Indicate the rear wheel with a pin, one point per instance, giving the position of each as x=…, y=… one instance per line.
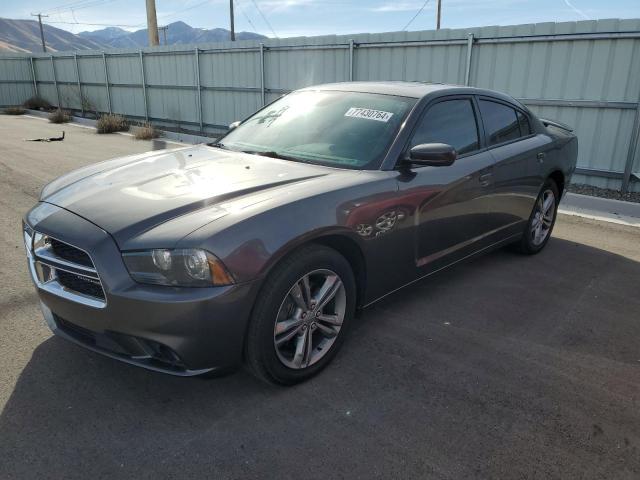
x=542, y=219
x=301, y=316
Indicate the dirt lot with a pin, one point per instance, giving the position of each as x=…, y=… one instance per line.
x=505, y=367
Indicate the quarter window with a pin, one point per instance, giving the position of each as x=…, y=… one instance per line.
x=500, y=122
x=523, y=121
x=452, y=122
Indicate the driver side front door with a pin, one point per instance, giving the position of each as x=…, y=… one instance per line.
x=449, y=204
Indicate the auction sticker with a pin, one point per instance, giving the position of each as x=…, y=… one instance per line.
x=377, y=115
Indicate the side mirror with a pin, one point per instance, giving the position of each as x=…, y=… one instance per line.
x=234, y=125
x=433, y=154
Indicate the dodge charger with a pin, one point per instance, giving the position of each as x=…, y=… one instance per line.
x=259, y=249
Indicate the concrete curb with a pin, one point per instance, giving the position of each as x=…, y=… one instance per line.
x=603, y=209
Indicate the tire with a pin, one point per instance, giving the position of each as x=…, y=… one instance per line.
x=534, y=240
x=288, y=316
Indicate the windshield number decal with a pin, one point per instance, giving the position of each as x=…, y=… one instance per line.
x=367, y=113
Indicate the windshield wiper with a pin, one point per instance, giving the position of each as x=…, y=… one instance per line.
x=272, y=154
x=219, y=145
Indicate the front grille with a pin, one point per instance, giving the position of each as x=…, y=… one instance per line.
x=70, y=253
x=63, y=269
x=81, y=284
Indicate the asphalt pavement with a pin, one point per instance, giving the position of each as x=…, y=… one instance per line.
x=503, y=367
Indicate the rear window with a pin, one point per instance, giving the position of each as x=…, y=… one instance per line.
x=500, y=122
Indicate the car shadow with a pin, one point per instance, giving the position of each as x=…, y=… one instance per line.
x=502, y=366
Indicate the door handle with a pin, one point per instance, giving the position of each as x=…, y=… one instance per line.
x=541, y=156
x=485, y=179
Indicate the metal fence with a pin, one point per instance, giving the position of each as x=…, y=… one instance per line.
x=585, y=74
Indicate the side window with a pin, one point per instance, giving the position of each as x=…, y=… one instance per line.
x=523, y=121
x=500, y=122
x=452, y=122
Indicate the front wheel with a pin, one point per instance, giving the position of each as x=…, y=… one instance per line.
x=300, y=318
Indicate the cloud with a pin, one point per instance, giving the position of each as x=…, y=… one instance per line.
x=447, y=6
x=278, y=5
x=397, y=7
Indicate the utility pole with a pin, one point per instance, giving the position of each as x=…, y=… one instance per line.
x=164, y=32
x=39, y=15
x=439, y=11
x=152, y=23
x=233, y=30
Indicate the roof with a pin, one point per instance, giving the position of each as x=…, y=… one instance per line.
x=408, y=89
x=403, y=89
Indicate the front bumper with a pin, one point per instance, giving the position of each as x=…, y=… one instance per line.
x=182, y=331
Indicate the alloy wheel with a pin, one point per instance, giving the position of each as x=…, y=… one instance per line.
x=309, y=319
x=543, y=217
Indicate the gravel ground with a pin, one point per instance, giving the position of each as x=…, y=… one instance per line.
x=503, y=367
x=603, y=192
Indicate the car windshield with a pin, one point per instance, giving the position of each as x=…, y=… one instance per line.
x=333, y=128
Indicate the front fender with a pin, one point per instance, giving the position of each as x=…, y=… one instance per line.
x=251, y=247
x=252, y=239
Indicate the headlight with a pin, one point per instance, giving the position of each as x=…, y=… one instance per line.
x=188, y=267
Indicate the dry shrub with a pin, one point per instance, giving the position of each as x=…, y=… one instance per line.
x=59, y=116
x=37, y=103
x=146, y=132
x=112, y=123
x=14, y=111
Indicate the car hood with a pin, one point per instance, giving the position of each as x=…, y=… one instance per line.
x=132, y=195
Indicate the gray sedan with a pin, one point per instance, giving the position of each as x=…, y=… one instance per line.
x=261, y=248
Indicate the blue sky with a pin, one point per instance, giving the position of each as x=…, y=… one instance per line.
x=318, y=17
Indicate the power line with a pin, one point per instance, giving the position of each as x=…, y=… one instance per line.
x=264, y=18
x=67, y=6
x=177, y=12
x=70, y=5
x=94, y=24
x=416, y=15
x=77, y=6
x=255, y=30
x=88, y=3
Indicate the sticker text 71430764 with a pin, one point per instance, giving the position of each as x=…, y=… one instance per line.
x=369, y=114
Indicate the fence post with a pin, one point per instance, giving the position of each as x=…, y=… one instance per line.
x=75, y=59
x=351, y=60
x=631, y=153
x=144, y=88
x=106, y=79
x=467, y=72
x=199, y=89
x=262, y=73
x=33, y=74
x=55, y=81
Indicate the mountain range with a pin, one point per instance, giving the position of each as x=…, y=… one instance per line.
x=177, y=33
x=24, y=36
